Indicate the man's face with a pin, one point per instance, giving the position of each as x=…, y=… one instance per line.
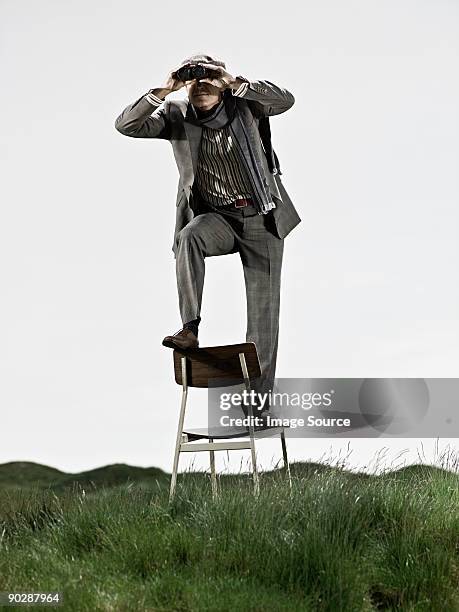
x=203, y=95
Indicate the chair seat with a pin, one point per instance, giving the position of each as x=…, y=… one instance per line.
x=226, y=433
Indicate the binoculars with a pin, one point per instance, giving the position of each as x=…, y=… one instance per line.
x=189, y=72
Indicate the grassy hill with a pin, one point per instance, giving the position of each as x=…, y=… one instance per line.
x=336, y=542
x=25, y=474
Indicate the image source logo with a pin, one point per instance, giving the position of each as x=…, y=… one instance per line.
x=347, y=407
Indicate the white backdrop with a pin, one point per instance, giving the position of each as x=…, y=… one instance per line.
x=370, y=156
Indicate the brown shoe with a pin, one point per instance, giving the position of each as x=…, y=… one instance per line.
x=183, y=339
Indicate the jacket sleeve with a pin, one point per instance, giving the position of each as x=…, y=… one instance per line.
x=267, y=98
x=145, y=119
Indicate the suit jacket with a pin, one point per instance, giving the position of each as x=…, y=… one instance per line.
x=167, y=121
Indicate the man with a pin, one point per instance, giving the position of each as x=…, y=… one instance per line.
x=230, y=197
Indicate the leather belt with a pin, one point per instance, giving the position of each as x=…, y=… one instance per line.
x=242, y=202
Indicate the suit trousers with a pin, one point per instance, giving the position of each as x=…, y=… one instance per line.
x=223, y=230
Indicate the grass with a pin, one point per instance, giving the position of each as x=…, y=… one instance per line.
x=338, y=541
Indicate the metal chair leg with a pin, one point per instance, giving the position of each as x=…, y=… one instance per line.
x=256, y=481
x=213, y=475
x=245, y=373
x=284, y=454
x=179, y=431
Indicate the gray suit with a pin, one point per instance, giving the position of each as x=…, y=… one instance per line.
x=200, y=232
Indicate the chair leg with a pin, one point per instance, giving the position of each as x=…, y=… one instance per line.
x=174, y=473
x=178, y=441
x=284, y=453
x=213, y=475
x=176, y=462
x=256, y=481
x=245, y=372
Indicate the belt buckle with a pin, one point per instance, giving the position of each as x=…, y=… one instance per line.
x=243, y=201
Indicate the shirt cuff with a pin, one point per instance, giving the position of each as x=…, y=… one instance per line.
x=150, y=97
x=240, y=91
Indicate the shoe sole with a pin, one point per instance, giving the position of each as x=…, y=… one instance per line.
x=172, y=345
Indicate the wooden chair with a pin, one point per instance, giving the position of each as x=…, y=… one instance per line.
x=216, y=366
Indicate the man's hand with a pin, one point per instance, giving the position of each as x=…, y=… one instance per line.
x=170, y=84
x=221, y=78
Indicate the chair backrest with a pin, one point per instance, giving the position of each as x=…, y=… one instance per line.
x=212, y=363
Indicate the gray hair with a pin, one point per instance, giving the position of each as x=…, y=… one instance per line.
x=202, y=59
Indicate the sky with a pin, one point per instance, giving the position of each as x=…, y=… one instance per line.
x=369, y=154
